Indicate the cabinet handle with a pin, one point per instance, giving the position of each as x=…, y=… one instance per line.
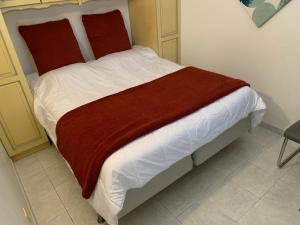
x=25, y=213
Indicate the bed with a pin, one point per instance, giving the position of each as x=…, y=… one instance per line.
x=169, y=152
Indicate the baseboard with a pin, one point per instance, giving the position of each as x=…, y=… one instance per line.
x=30, y=151
x=272, y=128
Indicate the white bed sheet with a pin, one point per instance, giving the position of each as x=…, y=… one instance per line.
x=132, y=166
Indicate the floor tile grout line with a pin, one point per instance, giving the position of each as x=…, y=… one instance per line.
x=254, y=203
x=226, y=177
x=265, y=193
x=40, y=161
x=67, y=211
x=26, y=195
x=174, y=217
x=54, y=187
x=219, y=212
x=230, y=174
x=276, y=180
x=248, y=210
x=42, y=170
x=56, y=195
x=208, y=188
x=269, y=174
x=260, y=199
x=33, y=174
x=184, y=210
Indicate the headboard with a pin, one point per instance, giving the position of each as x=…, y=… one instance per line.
x=72, y=12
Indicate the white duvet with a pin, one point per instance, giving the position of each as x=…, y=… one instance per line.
x=132, y=166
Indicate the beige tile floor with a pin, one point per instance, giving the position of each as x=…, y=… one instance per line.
x=239, y=186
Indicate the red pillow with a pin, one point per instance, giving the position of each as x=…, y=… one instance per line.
x=52, y=44
x=106, y=32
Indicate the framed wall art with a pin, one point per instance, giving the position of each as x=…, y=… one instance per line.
x=263, y=10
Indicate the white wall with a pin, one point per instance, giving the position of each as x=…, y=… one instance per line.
x=12, y=200
x=220, y=36
x=71, y=11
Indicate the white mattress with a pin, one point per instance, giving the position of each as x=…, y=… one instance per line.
x=132, y=166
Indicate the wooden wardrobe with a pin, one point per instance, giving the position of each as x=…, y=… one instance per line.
x=20, y=133
x=156, y=24
x=8, y=5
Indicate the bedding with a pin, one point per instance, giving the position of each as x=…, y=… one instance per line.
x=52, y=44
x=88, y=135
x=32, y=78
x=106, y=33
x=65, y=89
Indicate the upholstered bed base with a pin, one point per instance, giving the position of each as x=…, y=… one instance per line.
x=220, y=142
x=136, y=197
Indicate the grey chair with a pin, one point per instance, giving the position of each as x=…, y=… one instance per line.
x=293, y=134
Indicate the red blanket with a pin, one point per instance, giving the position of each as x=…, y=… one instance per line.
x=88, y=135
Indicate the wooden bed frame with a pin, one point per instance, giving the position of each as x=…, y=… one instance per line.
x=136, y=197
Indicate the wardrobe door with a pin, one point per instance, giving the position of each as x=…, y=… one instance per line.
x=16, y=119
x=168, y=17
x=144, y=23
x=170, y=50
x=7, y=68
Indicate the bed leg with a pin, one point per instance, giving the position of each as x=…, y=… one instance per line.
x=100, y=219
